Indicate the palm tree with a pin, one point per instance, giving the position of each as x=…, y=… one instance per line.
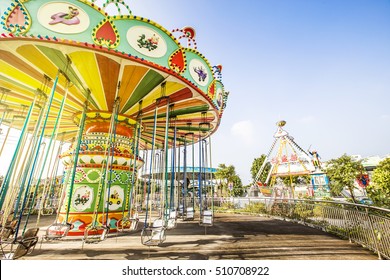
x=225, y=175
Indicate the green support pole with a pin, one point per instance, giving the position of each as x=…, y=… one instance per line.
x=36, y=156
x=5, y=185
x=54, y=132
x=166, y=162
x=76, y=158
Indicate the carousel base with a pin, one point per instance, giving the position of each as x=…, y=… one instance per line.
x=81, y=221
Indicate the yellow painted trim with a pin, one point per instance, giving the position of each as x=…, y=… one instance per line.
x=86, y=64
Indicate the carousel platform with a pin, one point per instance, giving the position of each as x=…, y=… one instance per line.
x=232, y=237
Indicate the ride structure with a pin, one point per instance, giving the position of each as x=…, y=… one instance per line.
x=110, y=86
x=285, y=161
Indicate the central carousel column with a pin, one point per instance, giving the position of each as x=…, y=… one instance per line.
x=103, y=173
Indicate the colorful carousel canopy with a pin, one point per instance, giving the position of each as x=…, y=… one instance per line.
x=100, y=58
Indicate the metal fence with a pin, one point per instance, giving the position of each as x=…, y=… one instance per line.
x=365, y=225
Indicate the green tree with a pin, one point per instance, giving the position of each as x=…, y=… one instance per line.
x=296, y=180
x=226, y=175
x=256, y=165
x=238, y=189
x=379, y=188
x=342, y=172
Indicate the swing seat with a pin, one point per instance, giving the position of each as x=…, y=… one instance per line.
x=181, y=210
x=206, y=218
x=134, y=224
x=130, y=224
x=6, y=233
x=95, y=234
x=153, y=236
x=57, y=231
x=158, y=223
x=47, y=211
x=8, y=230
x=171, y=223
x=173, y=214
x=189, y=214
x=25, y=245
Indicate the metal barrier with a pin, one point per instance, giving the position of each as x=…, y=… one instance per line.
x=362, y=224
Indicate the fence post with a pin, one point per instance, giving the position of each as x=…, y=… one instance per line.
x=346, y=224
x=373, y=234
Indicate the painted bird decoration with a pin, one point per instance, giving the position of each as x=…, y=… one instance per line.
x=69, y=18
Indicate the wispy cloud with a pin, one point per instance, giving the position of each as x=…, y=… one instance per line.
x=244, y=131
x=307, y=119
x=385, y=117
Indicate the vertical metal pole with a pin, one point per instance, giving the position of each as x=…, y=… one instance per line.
x=36, y=154
x=76, y=159
x=112, y=139
x=165, y=173
x=193, y=172
x=3, y=116
x=173, y=165
x=5, y=139
x=185, y=185
x=54, y=132
x=7, y=177
x=136, y=151
x=211, y=178
x=151, y=164
x=200, y=176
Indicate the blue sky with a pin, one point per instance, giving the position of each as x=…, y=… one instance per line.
x=323, y=66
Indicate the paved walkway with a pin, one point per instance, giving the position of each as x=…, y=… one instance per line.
x=232, y=237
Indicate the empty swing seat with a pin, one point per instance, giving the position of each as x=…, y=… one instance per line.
x=8, y=230
x=134, y=223
x=25, y=245
x=171, y=223
x=57, y=231
x=189, y=214
x=154, y=235
x=206, y=218
x=95, y=234
x=130, y=224
x=181, y=210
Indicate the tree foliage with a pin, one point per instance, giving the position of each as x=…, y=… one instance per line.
x=296, y=180
x=225, y=172
x=256, y=165
x=342, y=172
x=226, y=175
x=379, y=188
x=238, y=189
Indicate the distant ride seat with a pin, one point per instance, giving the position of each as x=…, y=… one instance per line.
x=95, y=234
x=57, y=231
x=206, y=218
x=128, y=224
x=189, y=214
x=171, y=223
x=154, y=235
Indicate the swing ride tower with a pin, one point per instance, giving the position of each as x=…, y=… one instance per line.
x=286, y=160
x=108, y=83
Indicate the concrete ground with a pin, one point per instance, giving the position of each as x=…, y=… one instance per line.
x=232, y=237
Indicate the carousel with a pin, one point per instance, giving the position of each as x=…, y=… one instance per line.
x=120, y=92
